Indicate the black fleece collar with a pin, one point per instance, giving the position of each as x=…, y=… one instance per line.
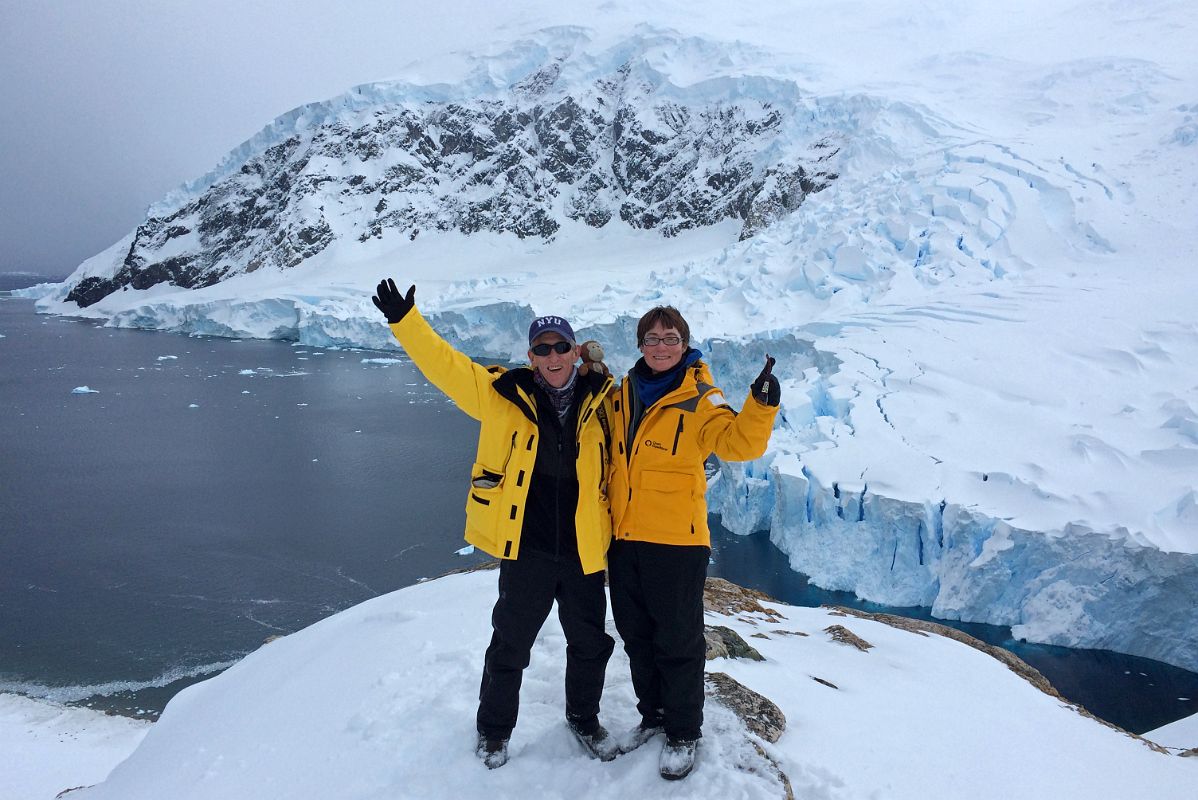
x=522, y=377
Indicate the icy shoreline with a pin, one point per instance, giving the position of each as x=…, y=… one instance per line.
x=1069, y=588
x=1073, y=586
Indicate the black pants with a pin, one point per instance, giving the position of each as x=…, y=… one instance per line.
x=657, y=603
x=527, y=588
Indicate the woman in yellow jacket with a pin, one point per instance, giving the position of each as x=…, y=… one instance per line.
x=667, y=419
x=537, y=501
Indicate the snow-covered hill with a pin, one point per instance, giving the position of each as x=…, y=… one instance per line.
x=379, y=701
x=983, y=317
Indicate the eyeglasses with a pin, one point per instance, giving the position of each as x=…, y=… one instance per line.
x=544, y=349
x=653, y=341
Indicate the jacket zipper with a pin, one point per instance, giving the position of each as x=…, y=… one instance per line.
x=510, y=450
x=678, y=433
x=557, y=501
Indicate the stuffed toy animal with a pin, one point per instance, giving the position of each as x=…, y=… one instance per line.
x=592, y=358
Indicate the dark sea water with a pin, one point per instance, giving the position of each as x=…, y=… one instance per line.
x=211, y=493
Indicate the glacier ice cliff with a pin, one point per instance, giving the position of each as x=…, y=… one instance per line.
x=1074, y=587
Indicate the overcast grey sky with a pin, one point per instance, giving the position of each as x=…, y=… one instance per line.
x=105, y=105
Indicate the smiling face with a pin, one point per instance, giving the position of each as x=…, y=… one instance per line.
x=556, y=368
x=661, y=357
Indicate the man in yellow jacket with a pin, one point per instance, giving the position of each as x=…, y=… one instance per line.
x=537, y=501
x=668, y=418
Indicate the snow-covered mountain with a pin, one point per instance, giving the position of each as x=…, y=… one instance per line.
x=544, y=134
x=971, y=246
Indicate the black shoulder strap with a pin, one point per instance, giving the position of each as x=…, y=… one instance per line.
x=601, y=413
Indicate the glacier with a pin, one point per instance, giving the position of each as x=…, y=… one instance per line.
x=982, y=322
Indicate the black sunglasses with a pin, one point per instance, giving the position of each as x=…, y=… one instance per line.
x=543, y=349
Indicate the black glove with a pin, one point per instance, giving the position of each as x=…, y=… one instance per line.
x=391, y=303
x=766, y=389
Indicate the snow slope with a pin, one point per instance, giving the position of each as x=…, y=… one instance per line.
x=379, y=701
x=1179, y=735
x=984, y=325
x=48, y=748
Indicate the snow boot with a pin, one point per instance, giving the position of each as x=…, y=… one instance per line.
x=639, y=735
x=596, y=741
x=493, y=752
x=677, y=758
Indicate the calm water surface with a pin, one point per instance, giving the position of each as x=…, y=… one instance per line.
x=211, y=493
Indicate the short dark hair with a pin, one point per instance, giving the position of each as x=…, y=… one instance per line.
x=667, y=317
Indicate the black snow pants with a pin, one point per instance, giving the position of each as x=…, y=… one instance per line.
x=657, y=603
x=528, y=586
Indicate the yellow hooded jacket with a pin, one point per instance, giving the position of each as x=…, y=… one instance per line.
x=658, y=488
x=507, y=447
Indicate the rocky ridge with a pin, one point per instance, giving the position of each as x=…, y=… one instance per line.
x=616, y=142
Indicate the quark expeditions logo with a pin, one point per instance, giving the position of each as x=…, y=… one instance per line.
x=654, y=445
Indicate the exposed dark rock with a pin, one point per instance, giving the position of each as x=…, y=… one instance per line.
x=522, y=164
x=841, y=634
x=724, y=642
x=759, y=713
x=724, y=597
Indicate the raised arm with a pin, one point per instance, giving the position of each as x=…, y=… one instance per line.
x=466, y=383
x=744, y=436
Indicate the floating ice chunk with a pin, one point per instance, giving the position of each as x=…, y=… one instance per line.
x=192, y=405
x=245, y=391
x=84, y=390
x=248, y=372
x=468, y=550
x=168, y=358
x=384, y=361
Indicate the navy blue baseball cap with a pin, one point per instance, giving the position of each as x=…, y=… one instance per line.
x=550, y=325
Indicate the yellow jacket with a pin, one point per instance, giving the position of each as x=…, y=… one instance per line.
x=507, y=447
x=658, y=489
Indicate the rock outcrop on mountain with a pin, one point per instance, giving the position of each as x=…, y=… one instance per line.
x=597, y=140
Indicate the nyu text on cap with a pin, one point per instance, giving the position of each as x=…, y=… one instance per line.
x=550, y=324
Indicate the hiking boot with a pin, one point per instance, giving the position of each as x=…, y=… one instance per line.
x=596, y=741
x=677, y=758
x=639, y=735
x=493, y=752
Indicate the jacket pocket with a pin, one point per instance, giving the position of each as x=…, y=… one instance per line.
x=664, y=501
x=485, y=484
